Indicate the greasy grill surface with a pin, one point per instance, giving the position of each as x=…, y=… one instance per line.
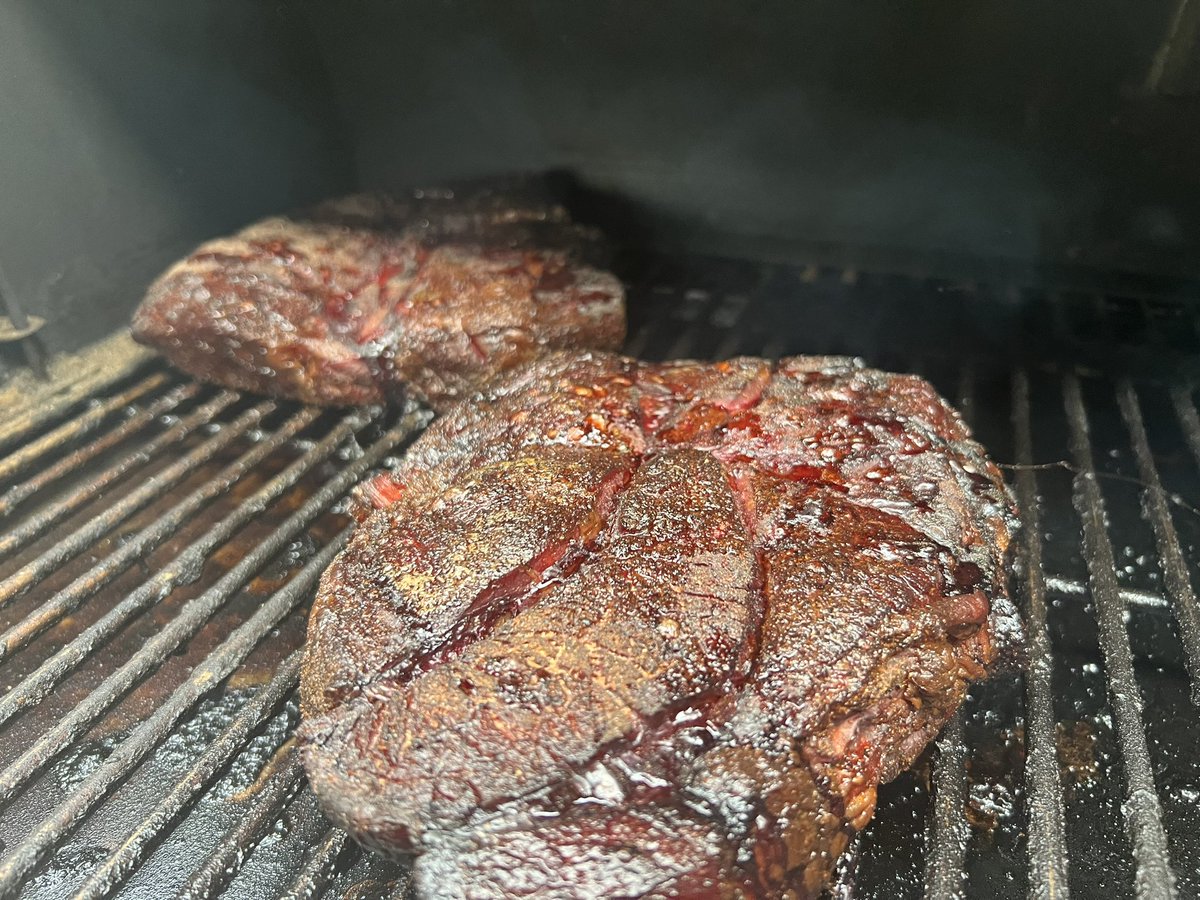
x=159, y=547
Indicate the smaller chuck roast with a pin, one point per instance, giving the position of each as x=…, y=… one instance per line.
x=628, y=629
x=361, y=299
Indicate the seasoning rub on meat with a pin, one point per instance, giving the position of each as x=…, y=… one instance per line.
x=362, y=299
x=631, y=629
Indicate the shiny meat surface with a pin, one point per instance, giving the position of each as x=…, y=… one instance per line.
x=627, y=629
x=363, y=298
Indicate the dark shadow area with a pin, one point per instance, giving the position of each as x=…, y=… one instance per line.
x=939, y=141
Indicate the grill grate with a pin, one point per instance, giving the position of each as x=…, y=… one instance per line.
x=1047, y=842
x=162, y=539
x=1142, y=809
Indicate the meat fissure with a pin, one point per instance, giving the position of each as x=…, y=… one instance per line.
x=519, y=588
x=719, y=659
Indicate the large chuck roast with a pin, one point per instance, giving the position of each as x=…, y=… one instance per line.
x=629, y=629
x=362, y=298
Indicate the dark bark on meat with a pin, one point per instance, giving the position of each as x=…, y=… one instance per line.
x=632, y=629
x=363, y=298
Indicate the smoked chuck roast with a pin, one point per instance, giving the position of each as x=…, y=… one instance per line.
x=360, y=299
x=628, y=629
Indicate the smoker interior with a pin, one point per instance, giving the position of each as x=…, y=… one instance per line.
x=1059, y=134
x=1003, y=198
x=162, y=539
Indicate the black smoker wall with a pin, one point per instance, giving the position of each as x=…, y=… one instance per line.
x=1016, y=131
x=1009, y=129
x=131, y=130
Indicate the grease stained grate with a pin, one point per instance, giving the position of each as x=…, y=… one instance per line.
x=160, y=543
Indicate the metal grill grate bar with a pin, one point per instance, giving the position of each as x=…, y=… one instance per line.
x=1143, y=812
x=19, y=493
x=738, y=330
x=317, y=870
x=226, y=860
x=191, y=617
x=948, y=850
x=64, y=506
x=684, y=346
x=87, y=535
x=726, y=320
x=1137, y=597
x=185, y=566
x=637, y=343
x=19, y=863
x=76, y=378
x=181, y=569
x=77, y=427
x=1048, y=862
x=1185, y=409
x=944, y=865
x=1170, y=553
x=138, y=842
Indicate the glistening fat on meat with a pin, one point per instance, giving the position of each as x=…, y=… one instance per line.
x=634, y=629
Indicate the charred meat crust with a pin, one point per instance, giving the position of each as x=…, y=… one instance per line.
x=633, y=629
x=364, y=298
